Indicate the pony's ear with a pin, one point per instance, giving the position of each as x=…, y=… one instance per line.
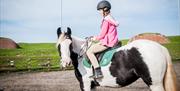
x=59, y=31
x=69, y=30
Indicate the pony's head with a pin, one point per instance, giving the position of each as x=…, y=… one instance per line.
x=64, y=45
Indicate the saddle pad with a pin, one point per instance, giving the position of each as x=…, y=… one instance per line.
x=106, y=59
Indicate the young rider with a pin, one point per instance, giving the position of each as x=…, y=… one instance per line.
x=107, y=38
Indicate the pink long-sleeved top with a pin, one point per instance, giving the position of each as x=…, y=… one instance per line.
x=108, y=35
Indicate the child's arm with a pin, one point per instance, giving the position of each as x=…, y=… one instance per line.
x=104, y=30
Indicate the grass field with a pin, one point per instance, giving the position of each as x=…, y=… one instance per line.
x=33, y=56
x=174, y=47
x=37, y=56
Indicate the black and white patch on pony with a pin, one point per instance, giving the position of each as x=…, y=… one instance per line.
x=127, y=66
x=153, y=56
x=80, y=70
x=74, y=57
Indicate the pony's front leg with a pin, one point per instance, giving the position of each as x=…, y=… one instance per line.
x=87, y=83
x=157, y=87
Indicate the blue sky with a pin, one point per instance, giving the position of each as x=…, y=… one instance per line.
x=37, y=20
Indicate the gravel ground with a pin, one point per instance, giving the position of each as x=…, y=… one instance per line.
x=59, y=81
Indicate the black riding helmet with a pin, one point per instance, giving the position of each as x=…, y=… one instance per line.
x=104, y=4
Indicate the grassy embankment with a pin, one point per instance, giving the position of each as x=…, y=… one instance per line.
x=38, y=56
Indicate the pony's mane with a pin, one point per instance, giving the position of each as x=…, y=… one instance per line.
x=77, y=38
x=77, y=43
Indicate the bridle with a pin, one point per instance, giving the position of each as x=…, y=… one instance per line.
x=84, y=47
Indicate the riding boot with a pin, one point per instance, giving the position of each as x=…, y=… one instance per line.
x=97, y=73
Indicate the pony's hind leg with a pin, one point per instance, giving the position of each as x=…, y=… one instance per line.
x=157, y=87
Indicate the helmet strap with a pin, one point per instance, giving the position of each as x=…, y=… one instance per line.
x=105, y=12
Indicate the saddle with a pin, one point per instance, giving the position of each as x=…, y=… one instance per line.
x=100, y=55
x=103, y=57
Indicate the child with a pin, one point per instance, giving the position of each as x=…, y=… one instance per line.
x=108, y=37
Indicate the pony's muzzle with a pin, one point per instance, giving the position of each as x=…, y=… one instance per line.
x=66, y=62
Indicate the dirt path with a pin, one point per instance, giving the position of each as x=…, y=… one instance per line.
x=58, y=81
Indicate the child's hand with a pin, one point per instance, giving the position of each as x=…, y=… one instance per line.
x=93, y=38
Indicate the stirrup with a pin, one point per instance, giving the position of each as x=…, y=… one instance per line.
x=97, y=73
x=96, y=77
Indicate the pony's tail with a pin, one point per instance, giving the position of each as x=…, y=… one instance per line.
x=170, y=83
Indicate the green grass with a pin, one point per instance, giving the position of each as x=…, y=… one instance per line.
x=174, y=47
x=124, y=42
x=32, y=56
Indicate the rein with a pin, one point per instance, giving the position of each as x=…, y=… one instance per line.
x=85, y=47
